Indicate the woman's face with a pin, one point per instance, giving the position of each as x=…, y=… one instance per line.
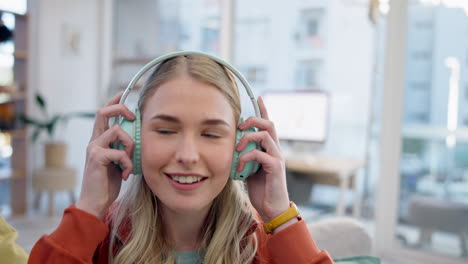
x=188, y=135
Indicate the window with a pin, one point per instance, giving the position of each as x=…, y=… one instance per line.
x=420, y=118
x=466, y=91
x=309, y=21
x=15, y=6
x=256, y=74
x=253, y=34
x=421, y=55
x=307, y=75
x=312, y=27
x=420, y=85
x=210, y=35
x=423, y=25
x=169, y=26
x=309, y=27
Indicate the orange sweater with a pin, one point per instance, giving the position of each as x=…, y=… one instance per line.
x=83, y=238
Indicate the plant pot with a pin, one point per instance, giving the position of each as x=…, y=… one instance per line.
x=55, y=155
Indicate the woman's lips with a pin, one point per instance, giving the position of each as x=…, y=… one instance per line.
x=185, y=181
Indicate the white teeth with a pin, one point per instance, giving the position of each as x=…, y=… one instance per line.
x=188, y=179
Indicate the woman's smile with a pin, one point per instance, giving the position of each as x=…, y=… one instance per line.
x=185, y=181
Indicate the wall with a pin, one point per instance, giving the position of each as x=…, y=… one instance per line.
x=68, y=78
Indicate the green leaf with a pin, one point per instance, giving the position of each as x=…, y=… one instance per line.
x=51, y=125
x=28, y=121
x=86, y=115
x=35, y=135
x=80, y=114
x=40, y=101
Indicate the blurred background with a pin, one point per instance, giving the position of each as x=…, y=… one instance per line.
x=369, y=97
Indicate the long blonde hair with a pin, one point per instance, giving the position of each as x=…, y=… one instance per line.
x=228, y=233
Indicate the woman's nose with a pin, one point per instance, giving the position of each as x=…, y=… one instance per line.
x=187, y=152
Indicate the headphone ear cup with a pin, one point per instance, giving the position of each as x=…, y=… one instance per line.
x=249, y=167
x=133, y=129
x=137, y=146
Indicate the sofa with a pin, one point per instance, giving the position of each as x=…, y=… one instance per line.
x=342, y=237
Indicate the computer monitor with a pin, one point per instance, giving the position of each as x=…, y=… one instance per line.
x=299, y=116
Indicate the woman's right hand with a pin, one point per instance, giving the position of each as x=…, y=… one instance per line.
x=102, y=178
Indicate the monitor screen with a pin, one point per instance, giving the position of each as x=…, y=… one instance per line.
x=301, y=116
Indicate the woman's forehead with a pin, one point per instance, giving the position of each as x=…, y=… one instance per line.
x=187, y=96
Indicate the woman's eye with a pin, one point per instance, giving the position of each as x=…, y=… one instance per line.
x=165, y=131
x=211, y=135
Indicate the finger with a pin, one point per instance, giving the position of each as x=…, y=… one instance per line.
x=115, y=99
x=101, y=123
x=269, y=163
x=106, y=156
x=116, y=133
x=261, y=124
x=263, y=110
x=263, y=138
x=114, y=155
x=115, y=110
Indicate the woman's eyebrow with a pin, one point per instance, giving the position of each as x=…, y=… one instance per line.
x=173, y=119
x=168, y=118
x=215, y=122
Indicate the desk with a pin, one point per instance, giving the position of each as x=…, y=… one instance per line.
x=327, y=170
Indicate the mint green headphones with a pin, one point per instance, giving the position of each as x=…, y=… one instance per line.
x=133, y=127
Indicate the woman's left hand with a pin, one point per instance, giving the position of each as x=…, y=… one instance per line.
x=267, y=187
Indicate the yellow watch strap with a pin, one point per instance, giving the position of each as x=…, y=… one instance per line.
x=285, y=216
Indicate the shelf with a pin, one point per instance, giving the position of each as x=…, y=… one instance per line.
x=16, y=133
x=17, y=96
x=14, y=97
x=20, y=54
x=7, y=97
x=8, y=175
x=14, y=13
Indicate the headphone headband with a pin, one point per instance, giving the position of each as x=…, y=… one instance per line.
x=183, y=53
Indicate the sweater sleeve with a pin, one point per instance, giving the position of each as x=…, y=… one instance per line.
x=294, y=244
x=74, y=241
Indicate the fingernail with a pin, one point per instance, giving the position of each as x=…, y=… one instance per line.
x=239, y=168
x=238, y=148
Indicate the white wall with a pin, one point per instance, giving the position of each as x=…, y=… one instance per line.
x=68, y=81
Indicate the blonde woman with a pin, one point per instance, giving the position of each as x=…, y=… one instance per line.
x=184, y=207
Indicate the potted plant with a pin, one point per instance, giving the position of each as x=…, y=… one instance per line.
x=55, y=151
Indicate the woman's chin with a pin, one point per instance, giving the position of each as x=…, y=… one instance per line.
x=188, y=205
